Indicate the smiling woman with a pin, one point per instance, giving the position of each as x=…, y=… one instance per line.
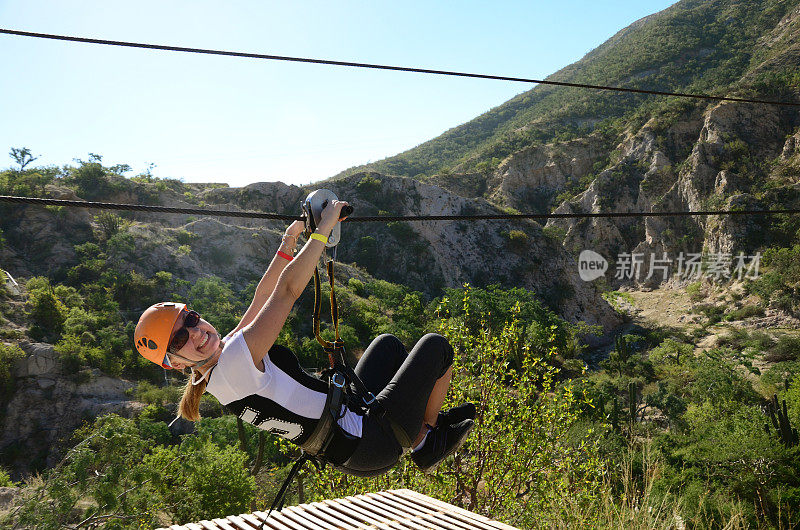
x=263, y=383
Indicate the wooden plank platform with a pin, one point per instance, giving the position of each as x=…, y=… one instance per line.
x=401, y=509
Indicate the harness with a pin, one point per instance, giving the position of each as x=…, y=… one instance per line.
x=345, y=388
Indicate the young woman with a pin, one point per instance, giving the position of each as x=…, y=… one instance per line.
x=264, y=384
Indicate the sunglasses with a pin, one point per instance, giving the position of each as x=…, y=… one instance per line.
x=181, y=336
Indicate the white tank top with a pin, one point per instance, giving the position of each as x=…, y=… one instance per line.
x=283, y=399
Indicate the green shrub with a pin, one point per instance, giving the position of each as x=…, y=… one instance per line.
x=671, y=351
x=9, y=355
x=527, y=436
x=719, y=382
x=122, y=247
x=214, y=299
x=109, y=224
x=786, y=349
x=120, y=477
x=46, y=311
x=369, y=186
x=779, y=283
x=742, y=313
x=184, y=237
x=80, y=321
x=224, y=432
x=157, y=395
x=517, y=239
x=556, y=233
x=5, y=479
x=184, y=472
x=714, y=313
x=724, y=462
x=740, y=339
x=695, y=291
x=357, y=286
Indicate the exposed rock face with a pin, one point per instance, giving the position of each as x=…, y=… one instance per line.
x=654, y=173
x=448, y=254
x=426, y=256
x=50, y=404
x=528, y=178
x=38, y=236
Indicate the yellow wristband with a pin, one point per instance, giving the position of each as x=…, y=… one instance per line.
x=319, y=237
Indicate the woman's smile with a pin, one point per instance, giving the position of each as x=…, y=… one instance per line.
x=204, y=341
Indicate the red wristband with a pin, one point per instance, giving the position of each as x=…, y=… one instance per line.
x=285, y=255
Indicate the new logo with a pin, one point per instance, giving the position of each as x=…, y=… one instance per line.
x=591, y=265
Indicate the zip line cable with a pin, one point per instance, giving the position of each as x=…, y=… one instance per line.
x=184, y=49
x=381, y=218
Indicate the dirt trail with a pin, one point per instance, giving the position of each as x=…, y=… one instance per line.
x=672, y=308
x=660, y=308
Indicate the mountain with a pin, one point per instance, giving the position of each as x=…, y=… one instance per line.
x=569, y=150
x=719, y=47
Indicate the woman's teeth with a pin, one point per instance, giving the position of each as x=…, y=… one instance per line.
x=204, y=342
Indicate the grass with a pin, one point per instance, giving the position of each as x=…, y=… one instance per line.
x=636, y=506
x=615, y=298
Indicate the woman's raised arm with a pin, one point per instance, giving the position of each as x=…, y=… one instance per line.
x=261, y=333
x=267, y=284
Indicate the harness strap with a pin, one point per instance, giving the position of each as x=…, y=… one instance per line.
x=334, y=306
x=373, y=407
x=323, y=433
x=335, y=349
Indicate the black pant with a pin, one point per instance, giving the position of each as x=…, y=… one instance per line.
x=402, y=383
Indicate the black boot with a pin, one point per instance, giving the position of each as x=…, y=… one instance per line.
x=441, y=442
x=456, y=414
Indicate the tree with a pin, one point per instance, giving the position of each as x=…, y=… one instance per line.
x=22, y=156
x=527, y=461
x=118, y=476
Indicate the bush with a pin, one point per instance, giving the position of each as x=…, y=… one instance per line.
x=672, y=351
x=517, y=240
x=119, y=477
x=9, y=355
x=357, y=286
x=47, y=312
x=109, y=224
x=5, y=479
x=695, y=291
x=726, y=463
x=183, y=476
x=155, y=395
x=718, y=382
x=368, y=185
x=223, y=432
x=712, y=312
x=214, y=299
x=527, y=436
x=742, y=313
x=786, y=349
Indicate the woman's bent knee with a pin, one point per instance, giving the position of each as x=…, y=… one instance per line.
x=437, y=344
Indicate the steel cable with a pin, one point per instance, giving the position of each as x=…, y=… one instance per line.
x=379, y=218
x=164, y=47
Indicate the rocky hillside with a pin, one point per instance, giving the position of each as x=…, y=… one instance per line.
x=564, y=150
x=739, y=157
x=424, y=256
x=550, y=149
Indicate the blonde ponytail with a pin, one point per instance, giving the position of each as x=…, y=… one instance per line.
x=189, y=407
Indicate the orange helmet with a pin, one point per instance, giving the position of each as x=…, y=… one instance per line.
x=154, y=330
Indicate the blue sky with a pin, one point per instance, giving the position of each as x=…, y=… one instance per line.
x=216, y=119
